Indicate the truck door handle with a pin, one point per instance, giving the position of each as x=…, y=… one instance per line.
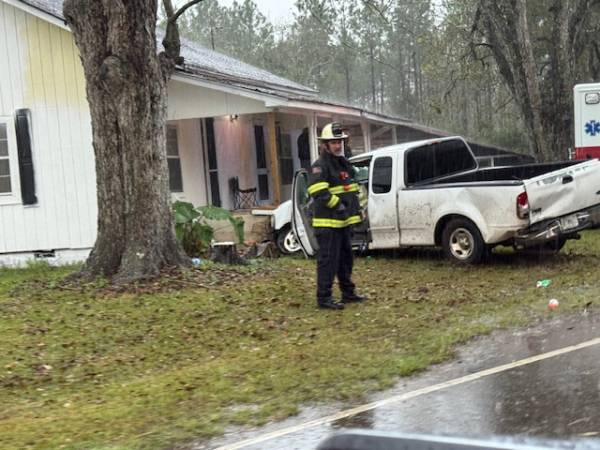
x=567, y=179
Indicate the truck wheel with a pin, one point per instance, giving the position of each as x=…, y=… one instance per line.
x=462, y=242
x=286, y=241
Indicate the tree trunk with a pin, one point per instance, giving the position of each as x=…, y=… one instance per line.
x=372, y=63
x=347, y=79
x=126, y=84
x=531, y=99
x=381, y=86
x=545, y=100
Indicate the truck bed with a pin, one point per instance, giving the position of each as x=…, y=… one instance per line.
x=510, y=173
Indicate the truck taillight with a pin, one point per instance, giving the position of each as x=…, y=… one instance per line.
x=522, y=206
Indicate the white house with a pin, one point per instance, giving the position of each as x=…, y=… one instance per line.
x=226, y=119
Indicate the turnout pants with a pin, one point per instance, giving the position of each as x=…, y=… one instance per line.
x=334, y=258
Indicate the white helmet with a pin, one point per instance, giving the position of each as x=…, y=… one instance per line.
x=333, y=132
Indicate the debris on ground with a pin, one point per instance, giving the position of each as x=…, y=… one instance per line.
x=225, y=253
x=543, y=283
x=553, y=304
x=196, y=262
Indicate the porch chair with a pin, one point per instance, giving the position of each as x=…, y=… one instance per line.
x=242, y=198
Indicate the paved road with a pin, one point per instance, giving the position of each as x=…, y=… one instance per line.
x=543, y=381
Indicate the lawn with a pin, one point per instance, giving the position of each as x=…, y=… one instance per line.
x=90, y=366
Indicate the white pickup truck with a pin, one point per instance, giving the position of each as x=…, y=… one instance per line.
x=432, y=193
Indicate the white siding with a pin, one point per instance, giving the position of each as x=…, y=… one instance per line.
x=187, y=102
x=41, y=71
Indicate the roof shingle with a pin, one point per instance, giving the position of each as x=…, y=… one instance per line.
x=199, y=57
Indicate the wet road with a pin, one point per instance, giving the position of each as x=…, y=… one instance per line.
x=531, y=382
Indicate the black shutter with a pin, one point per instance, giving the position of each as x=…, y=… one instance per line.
x=212, y=162
x=22, y=126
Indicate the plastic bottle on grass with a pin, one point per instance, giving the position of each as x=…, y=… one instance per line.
x=543, y=283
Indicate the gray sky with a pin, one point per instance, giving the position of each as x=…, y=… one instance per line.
x=277, y=11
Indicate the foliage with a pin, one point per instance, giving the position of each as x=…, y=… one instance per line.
x=193, y=228
x=412, y=58
x=89, y=367
x=240, y=30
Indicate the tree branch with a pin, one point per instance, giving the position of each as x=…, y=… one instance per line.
x=503, y=105
x=172, y=42
x=173, y=17
x=372, y=6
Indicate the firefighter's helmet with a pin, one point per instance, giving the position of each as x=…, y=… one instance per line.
x=332, y=132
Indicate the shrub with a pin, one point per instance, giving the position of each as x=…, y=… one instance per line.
x=193, y=230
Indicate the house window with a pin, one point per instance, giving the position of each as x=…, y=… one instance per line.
x=173, y=160
x=5, y=184
x=286, y=163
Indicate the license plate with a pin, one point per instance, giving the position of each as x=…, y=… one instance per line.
x=566, y=223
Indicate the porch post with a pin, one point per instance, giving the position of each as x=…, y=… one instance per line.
x=273, y=158
x=366, y=130
x=394, y=135
x=311, y=123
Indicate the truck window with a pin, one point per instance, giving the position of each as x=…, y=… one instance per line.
x=438, y=160
x=361, y=171
x=382, y=175
x=419, y=165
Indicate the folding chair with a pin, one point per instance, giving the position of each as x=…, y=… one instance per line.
x=242, y=198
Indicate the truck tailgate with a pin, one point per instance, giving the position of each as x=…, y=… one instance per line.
x=564, y=191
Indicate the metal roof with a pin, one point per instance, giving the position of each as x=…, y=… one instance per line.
x=198, y=57
x=52, y=7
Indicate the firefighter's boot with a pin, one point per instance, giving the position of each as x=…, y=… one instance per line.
x=329, y=303
x=352, y=298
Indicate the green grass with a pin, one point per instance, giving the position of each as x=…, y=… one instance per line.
x=90, y=367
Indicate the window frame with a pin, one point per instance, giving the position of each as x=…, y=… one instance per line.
x=178, y=157
x=372, y=174
x=14, y=196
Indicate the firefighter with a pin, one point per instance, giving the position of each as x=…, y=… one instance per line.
x=336, y=209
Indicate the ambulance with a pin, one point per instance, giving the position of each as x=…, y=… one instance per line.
x=587, y=121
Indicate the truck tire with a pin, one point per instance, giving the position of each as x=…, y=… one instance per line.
x=286, y=241
x=462, y=242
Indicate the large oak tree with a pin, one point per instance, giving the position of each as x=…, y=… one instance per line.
x=126, y=83
x=538, y=48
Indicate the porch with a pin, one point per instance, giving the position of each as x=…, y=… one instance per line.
x=240, y=151
x=261, y=150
